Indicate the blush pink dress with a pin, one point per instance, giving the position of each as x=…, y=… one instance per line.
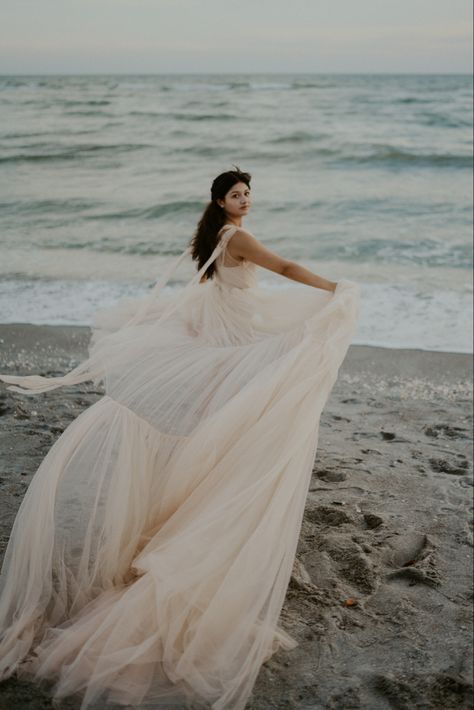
x=150, y=558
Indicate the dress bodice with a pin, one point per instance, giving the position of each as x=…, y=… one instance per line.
x=229, y=271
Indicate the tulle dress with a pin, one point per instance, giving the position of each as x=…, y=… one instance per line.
x=150, y=558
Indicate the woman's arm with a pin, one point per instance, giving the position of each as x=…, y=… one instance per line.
x=243, y=244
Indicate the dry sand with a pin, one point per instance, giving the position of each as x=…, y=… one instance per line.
x=381, y=595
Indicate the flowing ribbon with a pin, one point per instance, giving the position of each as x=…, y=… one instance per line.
x=85, y=371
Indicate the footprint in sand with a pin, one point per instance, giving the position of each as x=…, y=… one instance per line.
x=338, y=418
x=412, y=556
x=373, y=520
x=350, y=563
x=326, y=515
x=356, y=435
x=331, y=476
x=445, y=430
x=392, y=436
x=458, y=468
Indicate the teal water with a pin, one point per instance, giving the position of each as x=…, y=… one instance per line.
x=363, y=177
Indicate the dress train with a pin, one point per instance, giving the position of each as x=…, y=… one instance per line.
x=150, y=557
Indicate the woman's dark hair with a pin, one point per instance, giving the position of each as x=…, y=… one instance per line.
x=204, y=240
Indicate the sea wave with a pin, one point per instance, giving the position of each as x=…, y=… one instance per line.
x=424, y=252
x=174, y=207
x=362, y=175
x=72, y=152
x=298, y=137
x=185, y=116
x=50, y=206
x=391, y=156
x=442, y=120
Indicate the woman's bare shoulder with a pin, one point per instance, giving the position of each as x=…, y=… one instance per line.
x=246, y=246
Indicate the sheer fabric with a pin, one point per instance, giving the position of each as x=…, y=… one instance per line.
x=149, y=560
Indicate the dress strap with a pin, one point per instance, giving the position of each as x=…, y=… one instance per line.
x=230, y=229
x=189, y=287
x=221, y=245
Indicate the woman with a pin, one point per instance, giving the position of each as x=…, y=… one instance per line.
x=150, y=557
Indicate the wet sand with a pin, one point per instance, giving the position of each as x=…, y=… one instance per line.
x=380, y=599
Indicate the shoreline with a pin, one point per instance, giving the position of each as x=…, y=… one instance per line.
x=398, y=312
x=82, y=331
x=380, y=600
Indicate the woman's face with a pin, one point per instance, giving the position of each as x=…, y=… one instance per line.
x=237, y=201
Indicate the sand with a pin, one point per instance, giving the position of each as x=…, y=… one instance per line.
x=380, y=599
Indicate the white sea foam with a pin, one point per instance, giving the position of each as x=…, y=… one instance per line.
x=391, y=315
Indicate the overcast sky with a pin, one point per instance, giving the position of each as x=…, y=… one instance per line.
x=162, y=36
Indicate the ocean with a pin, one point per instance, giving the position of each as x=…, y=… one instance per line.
x=364, y=177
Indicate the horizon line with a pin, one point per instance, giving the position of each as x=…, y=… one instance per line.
x=259, y=73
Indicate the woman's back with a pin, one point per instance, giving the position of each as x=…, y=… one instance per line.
x=230, y=271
